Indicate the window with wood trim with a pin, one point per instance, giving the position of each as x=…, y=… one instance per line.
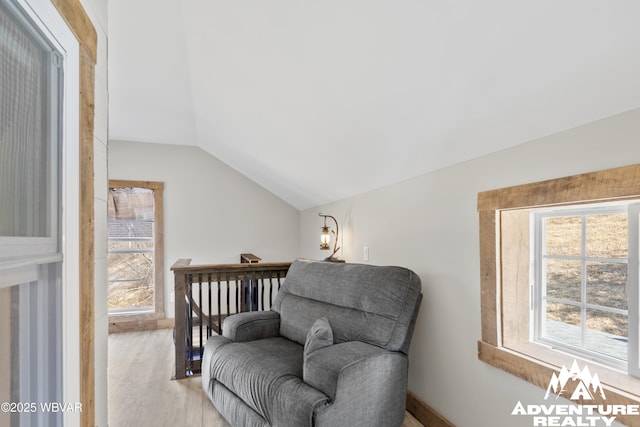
x=135, y=249
x=538, y=239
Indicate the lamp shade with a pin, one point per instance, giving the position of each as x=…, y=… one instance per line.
x=325, y=238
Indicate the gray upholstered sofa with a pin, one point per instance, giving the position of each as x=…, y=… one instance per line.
x=331, y=352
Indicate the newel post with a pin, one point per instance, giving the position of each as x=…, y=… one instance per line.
x=180, y=293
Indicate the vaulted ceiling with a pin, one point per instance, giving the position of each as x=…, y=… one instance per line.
x=321, y=100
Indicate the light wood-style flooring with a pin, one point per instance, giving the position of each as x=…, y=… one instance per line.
x=142, y=393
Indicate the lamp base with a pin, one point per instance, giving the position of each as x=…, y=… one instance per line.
x=332, y=259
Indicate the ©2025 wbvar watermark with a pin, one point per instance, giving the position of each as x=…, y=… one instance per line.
x=46, y=407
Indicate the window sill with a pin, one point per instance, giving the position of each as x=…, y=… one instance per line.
x=123, y=322
x=536, y=371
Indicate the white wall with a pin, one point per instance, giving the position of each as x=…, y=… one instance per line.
x=430, y=224
x=212, y=213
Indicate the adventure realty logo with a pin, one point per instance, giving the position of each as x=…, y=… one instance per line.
x=576, y=385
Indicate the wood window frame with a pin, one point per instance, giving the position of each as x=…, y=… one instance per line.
x=503, y=307
x=123, y=321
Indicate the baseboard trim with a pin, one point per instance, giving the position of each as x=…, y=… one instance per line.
x=424, y=413
x=131, y=325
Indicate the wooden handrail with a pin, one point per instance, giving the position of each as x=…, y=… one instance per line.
x=194, y=292
x=184, y=266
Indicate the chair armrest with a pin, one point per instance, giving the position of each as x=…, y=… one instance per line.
x=367, y=384
x=251, y=326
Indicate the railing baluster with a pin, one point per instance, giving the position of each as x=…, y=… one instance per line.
x=254, y=292
x=190, y=323
x=228, y=299
x=257, y=291
x=238, y=296
x=245, y=293
x=262, y=289
x=270, y=290
x=200, y=304
x=235, y=292
x=209, y=317
x=219, y=311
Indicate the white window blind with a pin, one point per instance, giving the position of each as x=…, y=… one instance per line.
x=30, y=86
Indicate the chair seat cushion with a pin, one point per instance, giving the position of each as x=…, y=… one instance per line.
x=264, y=373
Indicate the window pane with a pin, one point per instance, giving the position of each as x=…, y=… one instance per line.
x=607, y=333
x=562, y=323
x=130, y=266
x=606, y=282
x=607, y=236
x=563, y=236
x=131, y=294
x=130, y=230
x=563, y=279
x=140, y=245
x=131, y=249
x=25, y=131
x=130, y=281
x=130, y=204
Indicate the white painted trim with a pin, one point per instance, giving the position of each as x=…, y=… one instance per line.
x=633, y=290
x=51, y=23
x=16, y=276
x=631, y=366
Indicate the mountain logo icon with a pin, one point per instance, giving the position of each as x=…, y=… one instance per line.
x=586, y=385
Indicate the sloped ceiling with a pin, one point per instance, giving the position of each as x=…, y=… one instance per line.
x=321, y=100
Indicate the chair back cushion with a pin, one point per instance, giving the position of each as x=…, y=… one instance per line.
x=377, y=305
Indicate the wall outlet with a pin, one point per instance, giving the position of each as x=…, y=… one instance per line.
x=173, y=297
x=365, y=253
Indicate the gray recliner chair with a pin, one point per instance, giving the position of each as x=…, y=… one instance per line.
x=331, y=352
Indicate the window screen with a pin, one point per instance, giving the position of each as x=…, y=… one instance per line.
x=29, y=129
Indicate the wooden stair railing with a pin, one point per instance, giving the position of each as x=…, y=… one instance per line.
x=206, y=294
